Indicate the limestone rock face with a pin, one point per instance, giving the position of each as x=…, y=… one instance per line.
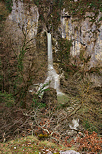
x=50, y=97
x=85, y=35
x=26, y=16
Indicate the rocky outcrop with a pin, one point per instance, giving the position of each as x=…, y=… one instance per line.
x=86, y=37
x=26, y=16
x=69, y=152
x=85, y=34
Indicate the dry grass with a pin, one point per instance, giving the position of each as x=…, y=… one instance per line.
x=28, y=145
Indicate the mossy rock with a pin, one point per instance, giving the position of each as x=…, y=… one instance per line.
x=50, y=97
x=43, y=136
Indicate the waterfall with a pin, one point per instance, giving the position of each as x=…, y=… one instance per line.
x=50, y=59
x=53, y=77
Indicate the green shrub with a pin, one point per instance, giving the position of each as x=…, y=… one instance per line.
x=89, y=126
x=7, y=99
x=8, y=4
x=37, y=103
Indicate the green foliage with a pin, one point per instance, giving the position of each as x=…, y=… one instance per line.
x=20, y=59
x=42, y=89
x=89, y=126
x=20, y=84
x=7, y=99
x=101, y=9
x=82, y=57
x=22, y=95
x=36, y=101
x=36, y=2
x=79, y=8
x=9, y=4
x=29, y=144
x=100, y=18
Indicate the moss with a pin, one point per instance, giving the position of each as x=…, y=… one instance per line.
x=47, y=144
x=63, y=100
x=43, y=136
x=89, y=126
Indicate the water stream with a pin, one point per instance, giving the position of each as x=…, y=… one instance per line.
x=53, y=77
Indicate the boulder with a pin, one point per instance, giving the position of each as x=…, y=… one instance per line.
x=69, y=152
x=50, y=97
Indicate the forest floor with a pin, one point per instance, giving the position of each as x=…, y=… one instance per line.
x=44, y=128
x=29, y=145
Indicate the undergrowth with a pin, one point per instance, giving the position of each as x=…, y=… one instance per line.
x=87, y=143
